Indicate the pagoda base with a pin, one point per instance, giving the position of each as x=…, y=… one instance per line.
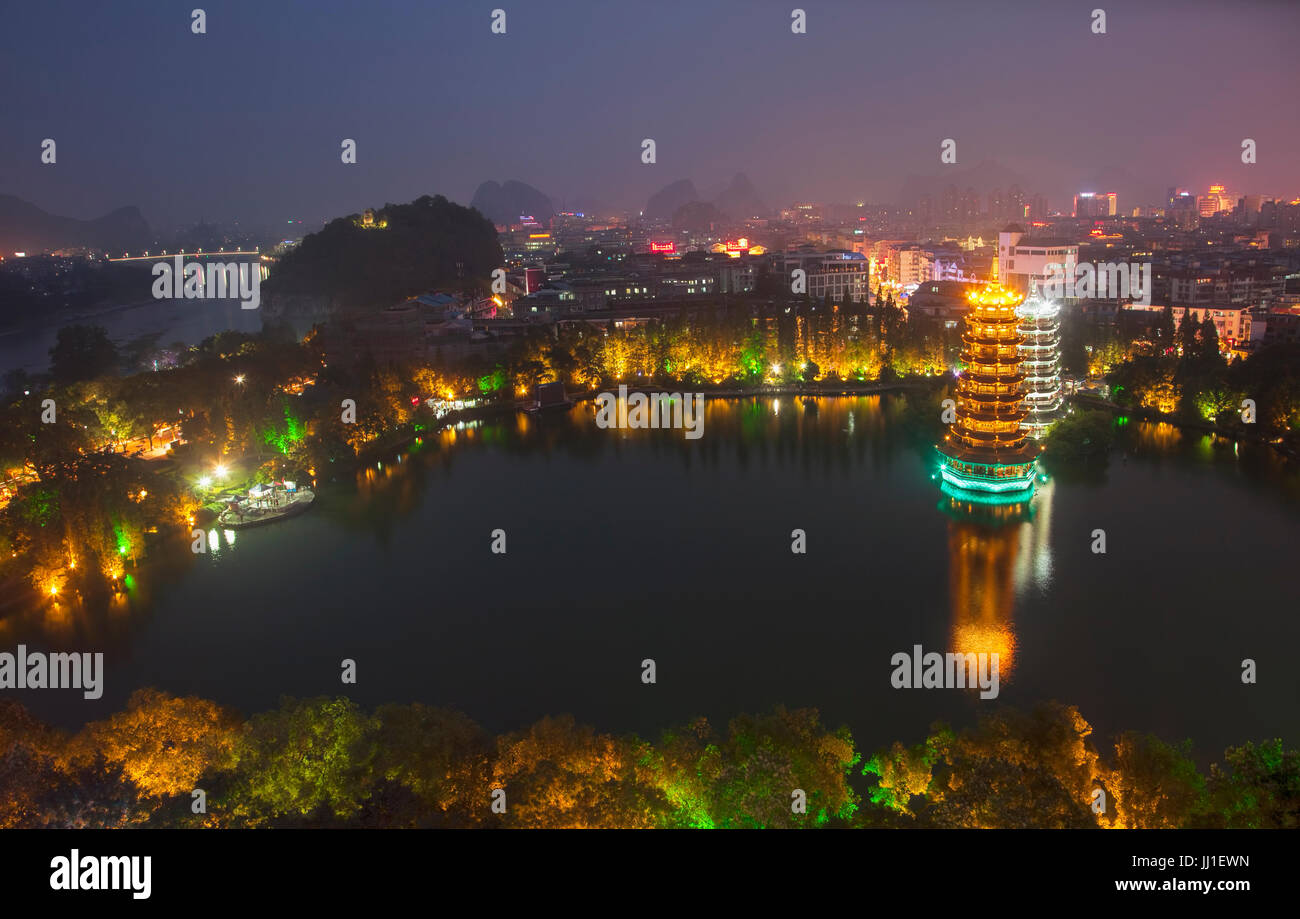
x=1006, y=479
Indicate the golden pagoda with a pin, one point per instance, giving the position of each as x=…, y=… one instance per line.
x=986, y=450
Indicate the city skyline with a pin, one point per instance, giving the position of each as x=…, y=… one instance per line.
x=220, y=126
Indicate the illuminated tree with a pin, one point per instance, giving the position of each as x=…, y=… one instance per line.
x=1154, y=785
x=558, y=774
x=162, y=743
x=747, y=779
x=902, y=773
x=310, y=758
x=1015, y=770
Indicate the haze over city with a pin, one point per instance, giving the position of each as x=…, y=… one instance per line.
x=246, y=124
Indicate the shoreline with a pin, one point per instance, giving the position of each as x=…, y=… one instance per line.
x=1206, y=427
x=393, y=441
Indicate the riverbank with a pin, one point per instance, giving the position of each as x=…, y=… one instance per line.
x=1154, y=415
x=408, y=433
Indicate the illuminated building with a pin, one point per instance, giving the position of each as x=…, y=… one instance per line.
x=1023, y=260
x=834, y=272
x=1218, y=201
x=1087, y=204
x=1040, y=358
x=986, y=451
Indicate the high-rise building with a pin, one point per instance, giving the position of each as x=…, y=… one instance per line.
x=835, y=273
x=997, y=204
x=925, y=210
x=951, y=203
x=1216, y=202
x=1015, y=203
x=1040, y=357
x=986, y=451
x=1088, y=204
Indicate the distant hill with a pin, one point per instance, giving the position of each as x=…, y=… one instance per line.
x=24, y=227
x=429, y=243
x=505, y=204
x=698, y=216
x=738, y=200
x=667, y=200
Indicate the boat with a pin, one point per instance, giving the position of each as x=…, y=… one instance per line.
x=265, y=504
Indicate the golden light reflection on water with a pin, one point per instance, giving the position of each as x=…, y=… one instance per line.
x=981, y=589
x=994, y=551
x=1158, y=435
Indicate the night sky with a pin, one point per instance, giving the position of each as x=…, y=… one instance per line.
x=245, y=122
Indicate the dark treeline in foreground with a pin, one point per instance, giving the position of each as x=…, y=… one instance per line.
x=326, y=762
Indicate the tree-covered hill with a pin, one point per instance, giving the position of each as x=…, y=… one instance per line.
x=410, y=248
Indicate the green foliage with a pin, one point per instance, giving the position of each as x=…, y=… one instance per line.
x=492, y=382
x=1258, y=787
x=325, y=762
x=746, y=778
x=1081, y=438
x=309, y=758
x=427, y=244
x=1155, y=785
x=286, y=432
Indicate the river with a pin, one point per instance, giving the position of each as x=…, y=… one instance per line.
x=189, y=321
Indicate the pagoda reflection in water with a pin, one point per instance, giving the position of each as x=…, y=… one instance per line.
x=997, y=549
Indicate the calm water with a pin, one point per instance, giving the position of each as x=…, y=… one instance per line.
x=628, y=545
x=188, y=321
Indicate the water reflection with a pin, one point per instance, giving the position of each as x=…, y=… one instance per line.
x=1034, y=554
x=995, y=550
x=767, y=453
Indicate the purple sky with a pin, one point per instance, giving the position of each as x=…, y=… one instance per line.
x=245, y=121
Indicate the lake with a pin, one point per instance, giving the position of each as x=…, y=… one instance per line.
x=627, y=545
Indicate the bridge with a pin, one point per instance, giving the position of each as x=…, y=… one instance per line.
x=147, y=257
